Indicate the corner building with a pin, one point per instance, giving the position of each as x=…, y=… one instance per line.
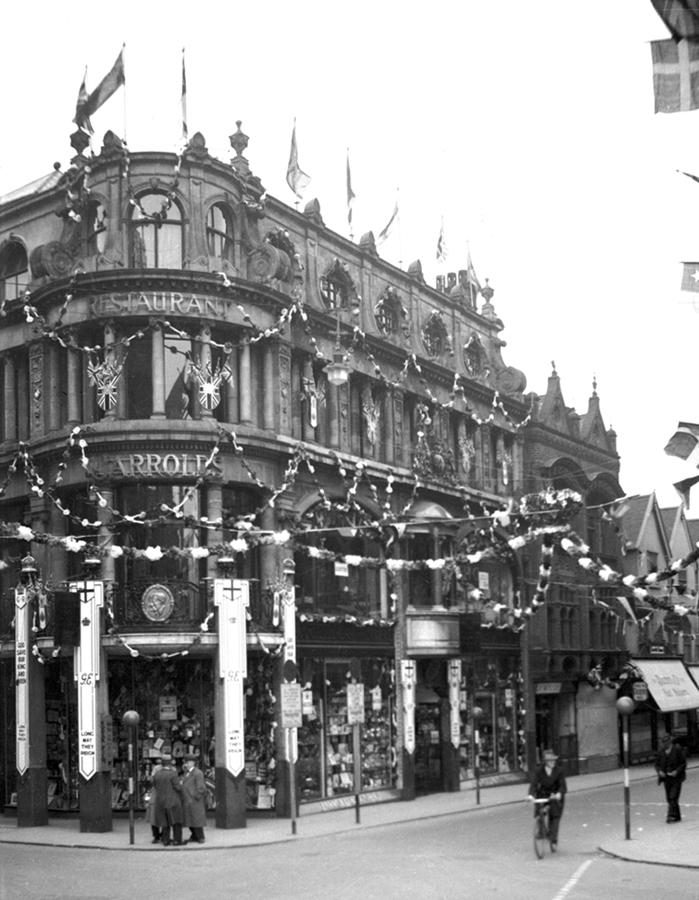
x=217, y=410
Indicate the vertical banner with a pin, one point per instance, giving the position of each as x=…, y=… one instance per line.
x=87, y=674
x=289, y=652
x=232, y=596
x=408, y=675
x=21, y=686
x=454, y=697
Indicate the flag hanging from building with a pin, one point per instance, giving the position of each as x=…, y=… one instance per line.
x=183, y=101
x=684, y=487
x=111, y=83
x=297, y=180
x=389, y=227
x=685, y=443
x=442, y=250
x=690, y=277
x=474, y=285
x=82, y=100
x=675, y=75
x=350, y=192
x=680, y=16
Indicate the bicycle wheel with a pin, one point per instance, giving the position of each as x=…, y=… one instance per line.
x=539, y=835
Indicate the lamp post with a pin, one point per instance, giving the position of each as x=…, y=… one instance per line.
x=625, y=706
x=477, y=714
x=130, y=720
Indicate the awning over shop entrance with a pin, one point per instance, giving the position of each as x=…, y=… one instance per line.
x=669, y=683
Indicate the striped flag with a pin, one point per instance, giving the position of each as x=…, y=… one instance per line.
x=442, y=250
x=350, y=192
x=111, y=83
x=297, y=179
x=183, y=101
x=391, y=222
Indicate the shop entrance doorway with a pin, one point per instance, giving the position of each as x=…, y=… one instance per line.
x=430, y=703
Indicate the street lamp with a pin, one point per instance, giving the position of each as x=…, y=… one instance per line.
x=130, y=720
x=477, y=714
x=625, y=706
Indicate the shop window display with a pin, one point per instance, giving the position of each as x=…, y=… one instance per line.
x=260, y=760
x=328, y=746
x=175, y=702
x=62, y=735
x=493, y=685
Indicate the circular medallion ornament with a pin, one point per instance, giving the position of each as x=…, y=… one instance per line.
x=157, y=603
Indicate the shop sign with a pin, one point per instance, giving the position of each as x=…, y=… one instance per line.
x=640, y=691
x=484, y=582
x=376, y=698
x=509, y=698
x=87, y=674
x=292, y=705
x=232, y=598
x=149, y=303
x=21, y=686
x=155, y=465
x=106, y=743
x=341, y=570
x=355, y=704
x=168, y=708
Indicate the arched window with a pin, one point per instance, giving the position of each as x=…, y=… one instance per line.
x=14, y=269
x=435, y=336
x=219, y=233
x=156, y=233
x=96, y=228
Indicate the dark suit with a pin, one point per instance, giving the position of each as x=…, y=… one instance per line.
x=168, y=805
x=671, y=767
x=544, y=784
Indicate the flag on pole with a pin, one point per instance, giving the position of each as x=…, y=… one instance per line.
x=389, y=227
x=683, y=488
x=183, y=101
x=82, y=100
x=685, y=443
x=442, y=250
x=690, y=277
x=680, y=16
x=297, y=180
x=350, y=192
x=675, y=75
x=474, y=285
x=111, y=83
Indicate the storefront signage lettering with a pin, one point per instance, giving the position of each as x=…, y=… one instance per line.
x=154, y=465
x=345, y=801
x=21, y=686
x=151, y=303
x=355, y=704
x=292, y=710
x=232, y=596
x=87, y=675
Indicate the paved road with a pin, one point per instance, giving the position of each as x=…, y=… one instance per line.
x=475, y=853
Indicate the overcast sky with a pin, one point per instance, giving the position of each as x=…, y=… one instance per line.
x=528, y=126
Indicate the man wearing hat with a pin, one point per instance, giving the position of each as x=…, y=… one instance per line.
x=671, y=765
x=549, y=782
x=168, y=805
x=194, y=799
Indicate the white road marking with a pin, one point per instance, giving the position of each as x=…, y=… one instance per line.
x=570, y=884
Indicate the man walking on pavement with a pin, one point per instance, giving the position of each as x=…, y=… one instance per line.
x=671, y=765
x=194, y=799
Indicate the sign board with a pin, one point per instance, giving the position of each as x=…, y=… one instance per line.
x=292, y=705
x=640, y=691
x=107, y=743
x=669, y=683
x=22, y=620
x=355, y=704
x=88, y=674
x=408, y=677
x=232, y=596
x=341, y=570
x=168, y=709
x=549, y=687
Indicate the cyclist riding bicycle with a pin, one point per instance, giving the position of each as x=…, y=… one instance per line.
x=549, y=782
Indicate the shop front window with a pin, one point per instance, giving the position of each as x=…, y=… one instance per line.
x=329, y=584
x=494, y=686
x=331, y=750
x=163, y=591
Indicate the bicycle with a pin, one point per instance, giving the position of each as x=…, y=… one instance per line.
x=541, y=827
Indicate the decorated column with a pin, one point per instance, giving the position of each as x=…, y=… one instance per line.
x=231, y=596
x=10, y=398
x=32, y=780
x=91, y=679
x=245, y=384
x=158, y=375
x=269, y=390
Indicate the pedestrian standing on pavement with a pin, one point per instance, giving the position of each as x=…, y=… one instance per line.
x=549, y=782
x=194, y=799
x=150, y=806
x=671, y=765
x=168, y=803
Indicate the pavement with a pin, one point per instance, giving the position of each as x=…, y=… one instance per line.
x=651, y=839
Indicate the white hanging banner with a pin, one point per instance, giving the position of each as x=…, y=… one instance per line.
x=289, y=653
x=232, y=596
x=454, y=697
x=408, y=680
x=21, y=685
x=87, y=674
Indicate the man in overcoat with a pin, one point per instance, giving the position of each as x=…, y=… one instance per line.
x=549, y=782
x=194, y=799
x=671, y=765
x=167, y=812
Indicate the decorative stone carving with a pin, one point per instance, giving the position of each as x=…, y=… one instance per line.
x=157, y=603
x=52, y=260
